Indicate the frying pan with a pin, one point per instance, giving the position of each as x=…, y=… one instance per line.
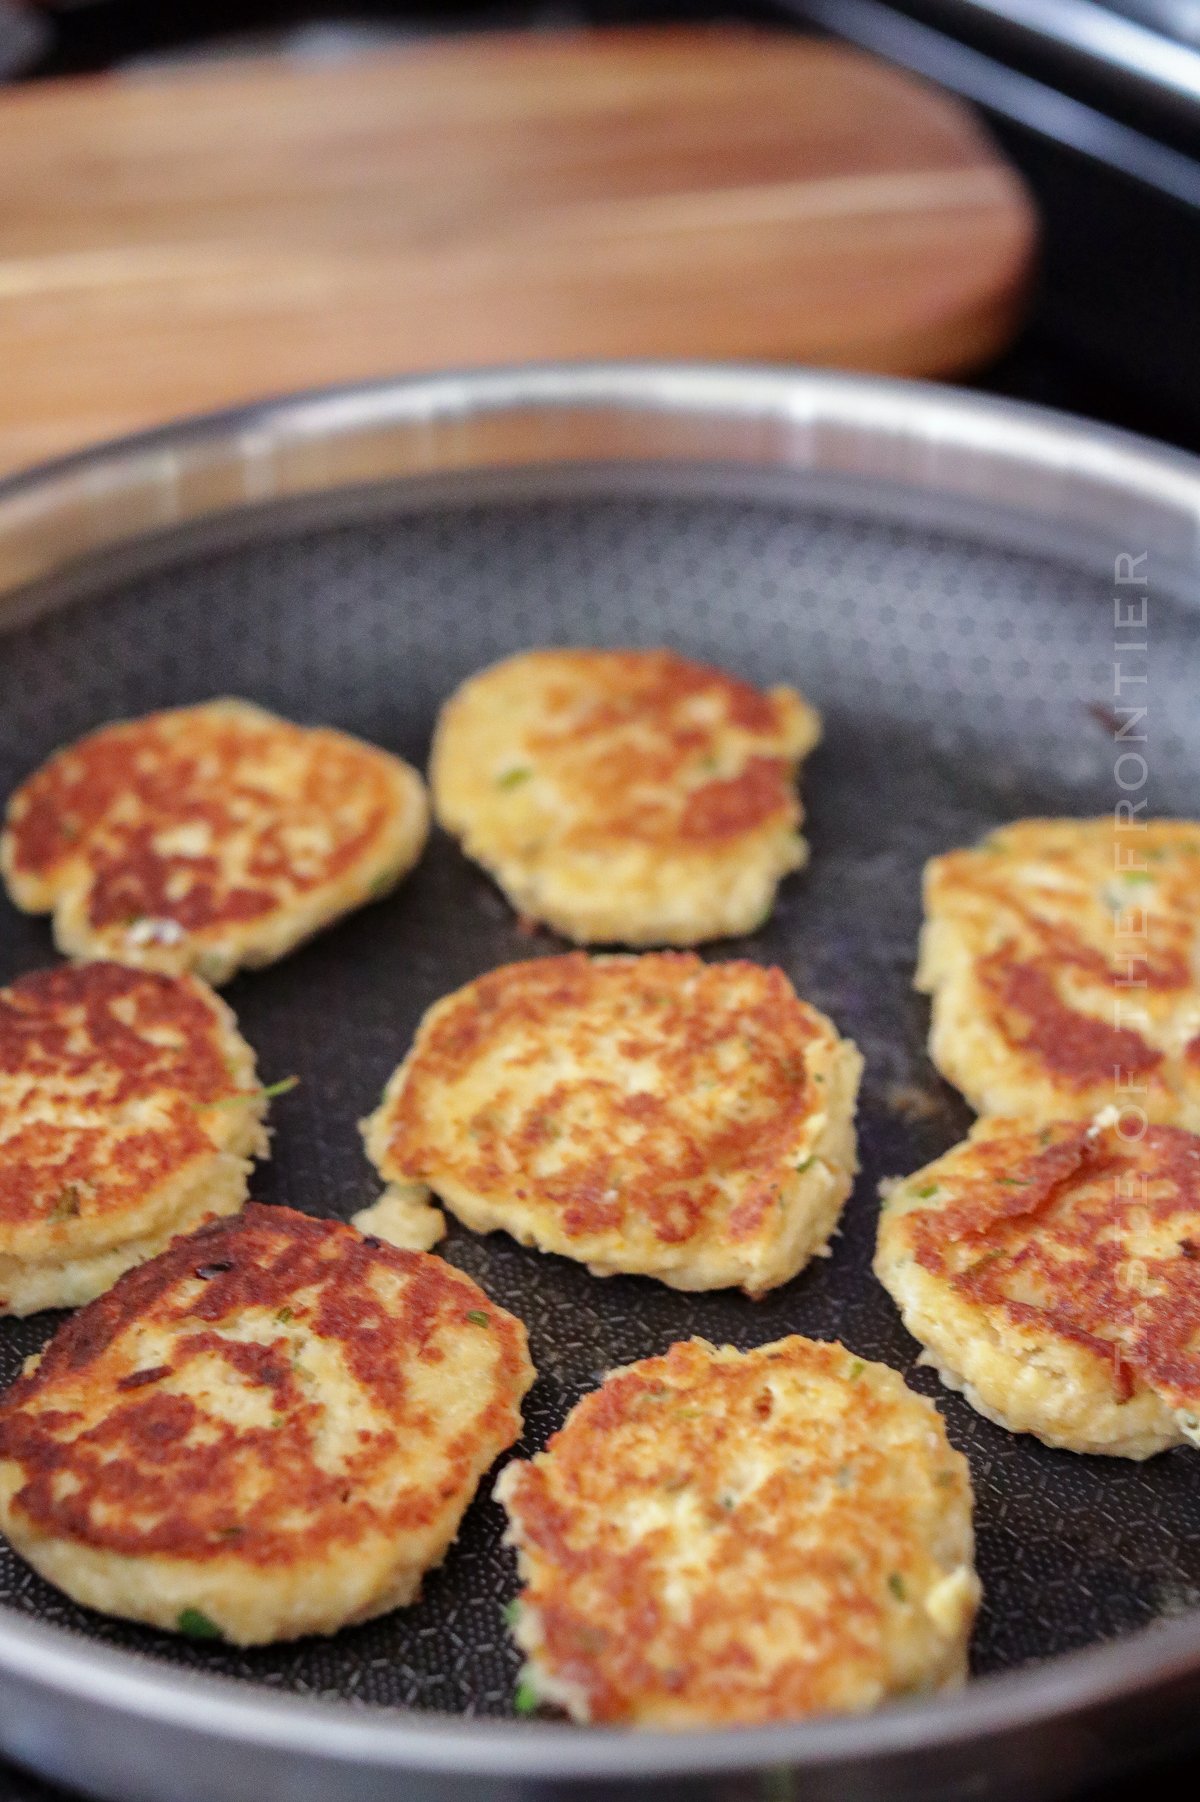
x=937, y=572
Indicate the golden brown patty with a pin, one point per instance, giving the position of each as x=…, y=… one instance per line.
x=129, y=1108
x=272, y=1429
x=1053, y=1274
x=652, y=1114
x=1063, y=957
x=208, y=837
x=625, y=797
x=718, y=1536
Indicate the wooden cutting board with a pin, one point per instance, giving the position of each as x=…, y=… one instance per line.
x=173, y=244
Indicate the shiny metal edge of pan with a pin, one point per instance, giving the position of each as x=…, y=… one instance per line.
x=122, y=1726
x=1051, y=468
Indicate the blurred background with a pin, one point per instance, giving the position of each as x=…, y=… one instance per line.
x=209, y=202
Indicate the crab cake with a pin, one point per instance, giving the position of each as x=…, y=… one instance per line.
x=129, y=1110
x=625, y=797
x=1052, y=1274
x=272, y=1429
x=208, y=837
x=655, y=1114
x=1063, y=957
x=720, y=1537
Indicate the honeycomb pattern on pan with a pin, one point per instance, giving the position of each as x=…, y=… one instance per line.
x=962, y=685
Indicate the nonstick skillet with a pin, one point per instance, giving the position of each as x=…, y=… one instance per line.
x=937, y=572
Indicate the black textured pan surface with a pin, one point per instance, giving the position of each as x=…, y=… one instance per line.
x=961, y=686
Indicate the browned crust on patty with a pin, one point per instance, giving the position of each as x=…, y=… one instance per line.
x=113, y=1460
x=80, y=1048
x=625, y=796
x=635, y=1112
x=610, y=769
x=803, y=1552
x=667, y=1181
x=1056, y=1230
x=198, y=776
x=207, y=836
x=1062, y=957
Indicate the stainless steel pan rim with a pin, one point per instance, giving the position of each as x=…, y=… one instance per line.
x=1033, y=461
x=219, y=1711
x=1039, y=464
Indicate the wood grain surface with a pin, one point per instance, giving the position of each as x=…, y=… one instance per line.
x=170, y=244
